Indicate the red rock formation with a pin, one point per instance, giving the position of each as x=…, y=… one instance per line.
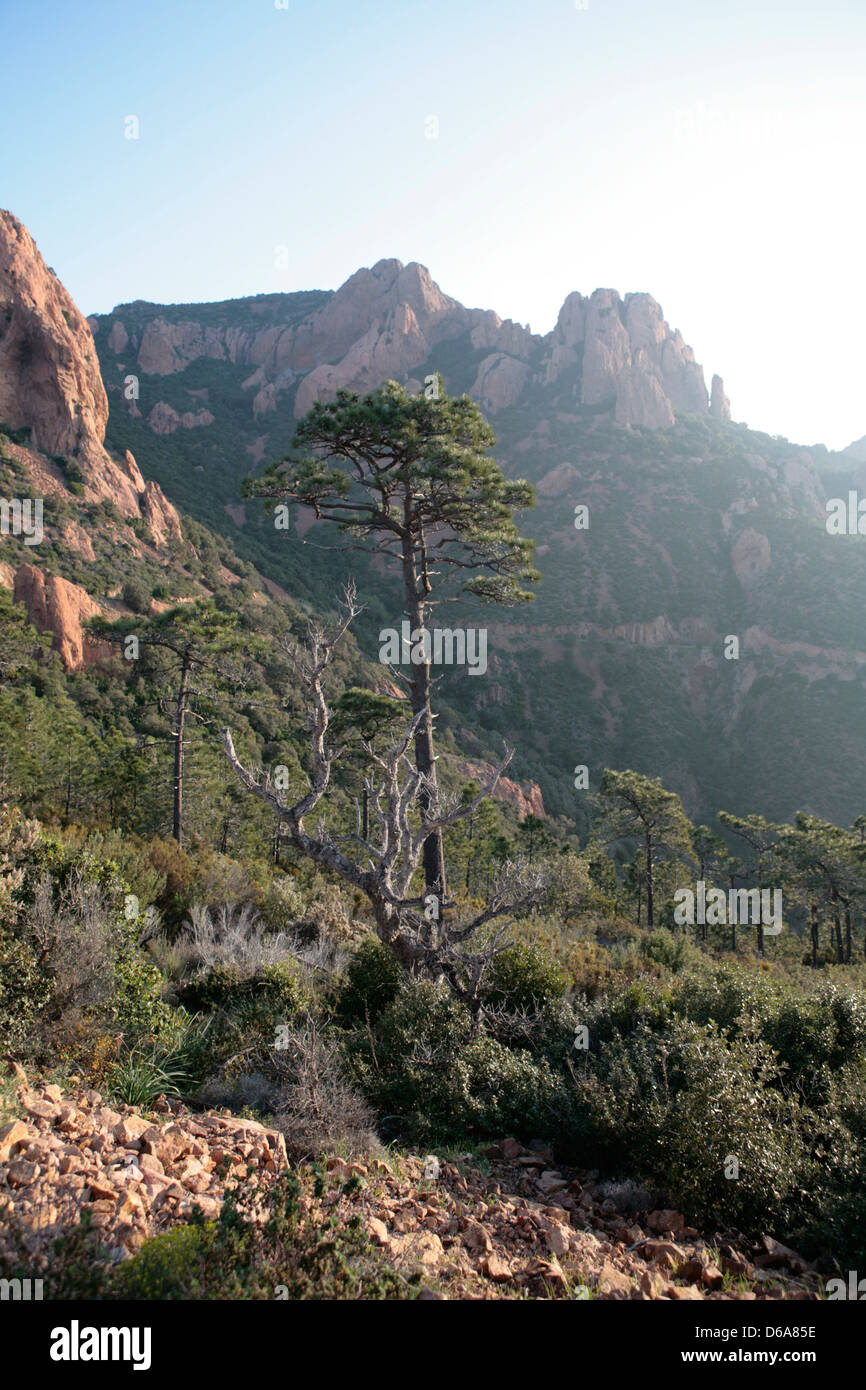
x=160, y=515
x=50, y=381
x=164, y=419
x=720, y=406
x=49, y=373
x=384, y=322
x=55, y=605
x=525, y=796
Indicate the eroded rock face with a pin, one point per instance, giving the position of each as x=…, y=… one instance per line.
x=160, y=515
x=720, y=406
x=750, y=555
x=385, y=322
x=606, y=350
x=50, y=383
x=49, y=372
x=641, y=400
x=169, y=347
x=500, y=382
x=58, y=606
x=622, y=352
x=526, y=796
x=164, y=419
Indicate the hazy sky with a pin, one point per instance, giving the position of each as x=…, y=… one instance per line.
x=708, y=151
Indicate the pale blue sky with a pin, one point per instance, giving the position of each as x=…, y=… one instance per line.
x=710, y=153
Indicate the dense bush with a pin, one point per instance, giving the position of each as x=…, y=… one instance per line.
x=426, y=1068
x=272, y=993
x=25, y=990
x=699, y=1115
x=75, y=974
x=661, y=946
x=137, y=596
x=371, y=982
x=522, y=977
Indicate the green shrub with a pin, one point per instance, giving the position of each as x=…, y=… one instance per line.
x=522, y=977
x=426, y=1069
x=372, y=980
x=662, y=947
x=679, y=1105
x=137, y=596
x=25, y=989
x=274, y=991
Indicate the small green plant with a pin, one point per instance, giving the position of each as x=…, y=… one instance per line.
x=138, y=1078
x=299, y=1249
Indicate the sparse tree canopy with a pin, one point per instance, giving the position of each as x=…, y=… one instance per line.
x=383, y=866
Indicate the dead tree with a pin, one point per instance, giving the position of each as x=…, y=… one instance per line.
x=405, y=809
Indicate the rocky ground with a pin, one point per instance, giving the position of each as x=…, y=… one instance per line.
x=503, y=1224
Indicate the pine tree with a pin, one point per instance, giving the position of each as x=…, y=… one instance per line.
x=633, y=805
x=413, y=475
x=196, y=653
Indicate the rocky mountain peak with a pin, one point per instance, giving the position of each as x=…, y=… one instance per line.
x=50, y=385
x=390, y=320
x=49, y=371
x=50, y=381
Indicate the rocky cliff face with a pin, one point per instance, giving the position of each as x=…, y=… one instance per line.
x=49, y=373
x=391, y=321
x=55, y=605
x=50, y=381
x=52, y=391
x=525, y=797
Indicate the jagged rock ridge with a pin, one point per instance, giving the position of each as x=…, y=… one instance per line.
x=387, y=321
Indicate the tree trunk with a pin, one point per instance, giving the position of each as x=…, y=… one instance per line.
x=649, y=883
x=760, y=905
x=760, y=931
x=180, y=720
x=425, y=758
x=468, y=856
x=847, y=936
x=814, y=931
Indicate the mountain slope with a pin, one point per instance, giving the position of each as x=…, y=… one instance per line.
x=699, y=529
